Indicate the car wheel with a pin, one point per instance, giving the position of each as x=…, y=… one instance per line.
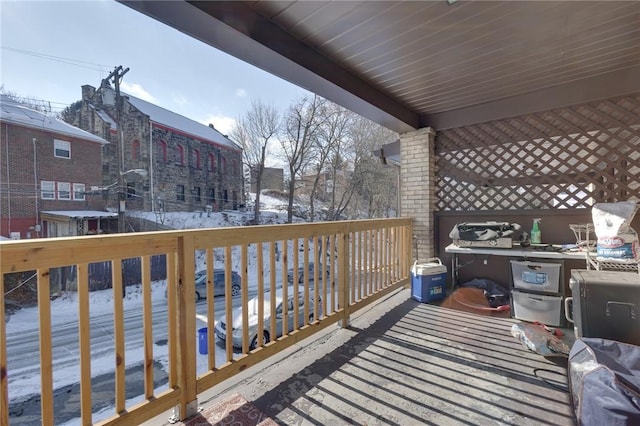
x=310, y=318
x=254, y=342
x=235, y=290
x=197, y=296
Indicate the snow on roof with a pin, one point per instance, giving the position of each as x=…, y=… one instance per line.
x=181, y=123
x=14, y=112
x=86, y=214
x=106, y=118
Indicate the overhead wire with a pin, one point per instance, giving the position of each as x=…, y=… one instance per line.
x=76, y=62
x=69, y=61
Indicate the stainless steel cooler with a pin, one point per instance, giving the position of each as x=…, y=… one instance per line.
x=605, y=304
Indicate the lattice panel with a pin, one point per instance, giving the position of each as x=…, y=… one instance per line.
x=566, y=158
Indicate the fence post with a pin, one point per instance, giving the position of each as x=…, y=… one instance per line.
x=343, y=277
x=186, y=327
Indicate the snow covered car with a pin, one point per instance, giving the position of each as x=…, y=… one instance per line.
x=221, y=327
x=311, y=274
x=218, y=283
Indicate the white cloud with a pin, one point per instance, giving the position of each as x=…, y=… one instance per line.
x=222, y=123
x=241, y=93
x=138, y=91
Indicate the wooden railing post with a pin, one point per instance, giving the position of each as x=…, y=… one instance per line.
x=343, y=277
x=186, y=327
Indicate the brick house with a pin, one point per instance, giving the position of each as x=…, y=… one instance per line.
x=46, y=165
x=190, y=166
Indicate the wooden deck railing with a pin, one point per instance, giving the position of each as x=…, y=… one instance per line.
x=365, y=260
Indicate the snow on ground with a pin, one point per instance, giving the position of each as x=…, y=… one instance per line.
x=272, y=211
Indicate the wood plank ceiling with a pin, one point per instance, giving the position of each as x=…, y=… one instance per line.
x=441, y=63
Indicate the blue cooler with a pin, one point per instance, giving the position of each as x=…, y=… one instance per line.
x=428, y=280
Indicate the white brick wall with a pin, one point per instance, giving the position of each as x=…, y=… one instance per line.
x=417, y=182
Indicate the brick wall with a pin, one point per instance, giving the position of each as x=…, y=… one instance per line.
x=20, y=178
x=417, y=183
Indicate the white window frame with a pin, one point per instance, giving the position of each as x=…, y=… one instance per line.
x=78, y=191
x=47, y=190
x=64, y=191
x=62, y=146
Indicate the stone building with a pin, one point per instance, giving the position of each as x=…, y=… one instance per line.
x=46, y=169
x=188, y=166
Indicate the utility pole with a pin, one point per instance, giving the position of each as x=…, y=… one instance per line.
x=117, y=74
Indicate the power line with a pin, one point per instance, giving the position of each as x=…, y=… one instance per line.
x=69, y=61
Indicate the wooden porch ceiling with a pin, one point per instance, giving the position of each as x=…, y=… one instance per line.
x=412, y=64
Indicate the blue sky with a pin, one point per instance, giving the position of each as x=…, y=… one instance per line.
x=51, y=48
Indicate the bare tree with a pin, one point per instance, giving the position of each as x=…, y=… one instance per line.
x=39, y=105
x=376, y=186
x=70, y=113
x=357, y=178
x=254, y=132
x=332, y=135
x=302, y=121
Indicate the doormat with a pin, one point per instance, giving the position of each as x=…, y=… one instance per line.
x=234, y=410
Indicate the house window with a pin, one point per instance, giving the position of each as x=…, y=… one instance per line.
x=163, y=150
x=61, y=149
x=180, y=155
x=234, y=170
x=135, y=150
x=211, y=196
x=47, y=190
x=195, y=160
x=64, y=191
x=196, y=194
x=211, y=162
x=225, y=196
x=78, y=191
x=224, y=165
x=180, y=192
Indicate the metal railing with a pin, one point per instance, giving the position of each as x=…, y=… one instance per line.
x=355, y=263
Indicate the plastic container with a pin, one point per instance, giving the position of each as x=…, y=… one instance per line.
x=428, y=280
x=536, y=276
x=537, y=307
x=203, y=341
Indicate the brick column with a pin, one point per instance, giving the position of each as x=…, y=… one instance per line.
x=417, y=188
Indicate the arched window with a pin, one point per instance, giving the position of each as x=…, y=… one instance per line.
x=135, y=150
x=224, y=165
x=211, y=162
x=163, y=151
x=180, y=155
x=195, y=160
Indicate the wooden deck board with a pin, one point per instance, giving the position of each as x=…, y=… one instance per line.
x=423, y=364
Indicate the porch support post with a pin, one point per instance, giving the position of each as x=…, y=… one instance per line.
x=417, y=188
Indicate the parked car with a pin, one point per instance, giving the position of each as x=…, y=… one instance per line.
x=218, y=283
x=311, y=274
x=221, y=326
